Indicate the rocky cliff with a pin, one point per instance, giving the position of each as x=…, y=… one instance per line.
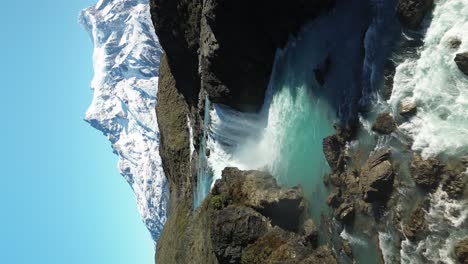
x=224, y=50
x=227, y=48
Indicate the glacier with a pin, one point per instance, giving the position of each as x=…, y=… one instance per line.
x=126, y=59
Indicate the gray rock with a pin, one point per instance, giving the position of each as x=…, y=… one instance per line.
x=407, y=108
x=377, y=177
x=384, y=124
x=426, y=173
x=461, y=59
x=332, y=147
x=334, y=199
x=310, y=232
x=345, y=212
x=412, y=12
x=461, y=251
x=285, y=207
x=454, y=43
x=346, y=246
x=232, y=229
x=416, y=226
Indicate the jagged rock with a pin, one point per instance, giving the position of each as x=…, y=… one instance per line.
x=461, y=59
x=384, y=124
x=377, y=176
x=426, y=173
x=278, y=246
x=412, y=12
x=454, y=43
x=454, y=184
x=310, y=232
x=322, y=255
x=345, y=212
x=454, y=179
x=228, y=40
x=347, y=249
x=416, y=226
x=461, y=251
x=389, y=74
x=334, y=199
x=407, y=108
x=284, y=206
x=332, y=149
x=232, y=229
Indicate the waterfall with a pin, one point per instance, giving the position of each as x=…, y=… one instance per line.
x=204, y=174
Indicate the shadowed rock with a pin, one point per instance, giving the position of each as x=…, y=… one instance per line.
x=461, y=251
x=461, y=59
x=412, y=12
x=426, y=173
x=416, y=226
x=377, y=177
x=384, y=124
x=454, y=43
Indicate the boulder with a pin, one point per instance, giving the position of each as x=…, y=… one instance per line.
x=461, y=59
x=407, y=108
x=454, y=183
x=461, y=251
x=278, y=246
x=411, y=12
x=347, y=249
x=377, y=176
x=345, y=212
x=334, y=199
x=454, y=43
x=310, y=232
x=285, y=207
x=426, y=173
x=416, y=226
x=384, y=124
x=232, y=229
x=332, y=147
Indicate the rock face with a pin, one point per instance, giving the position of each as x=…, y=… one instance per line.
x=223, y=49
x=426, y=173
x=407, y=108
x=384, y=124
x=461, y=59
x=332, y=147
x=227, y=47
x=377, y=177
x=416, y=225
x=412, y=12
x=248, y=218
x=389, y=74
x=461, y=251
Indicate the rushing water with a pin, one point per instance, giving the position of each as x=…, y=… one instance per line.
x=285, y=138
x=204, y=174
x=434, y=82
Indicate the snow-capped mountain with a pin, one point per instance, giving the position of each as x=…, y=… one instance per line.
x=126, y=60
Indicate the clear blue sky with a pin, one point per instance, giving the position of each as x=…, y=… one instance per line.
x=62, y=199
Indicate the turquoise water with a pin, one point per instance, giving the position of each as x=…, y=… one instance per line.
x=204, y=173
x=285, y=138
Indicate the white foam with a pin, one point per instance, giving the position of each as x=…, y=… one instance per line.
x=438, y=87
